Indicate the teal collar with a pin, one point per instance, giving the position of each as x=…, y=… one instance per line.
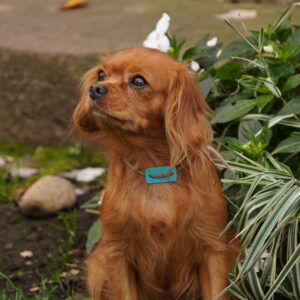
x=161, y=175
x=154, y=175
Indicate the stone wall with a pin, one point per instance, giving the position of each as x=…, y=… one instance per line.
x=38, y=93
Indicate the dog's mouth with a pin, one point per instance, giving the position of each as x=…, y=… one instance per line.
x=99, y=112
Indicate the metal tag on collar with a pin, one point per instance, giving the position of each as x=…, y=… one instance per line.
x=161, y=175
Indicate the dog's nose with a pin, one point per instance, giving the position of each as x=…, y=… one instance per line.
x=97, y=91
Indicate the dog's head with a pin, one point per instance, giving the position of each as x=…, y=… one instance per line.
x=144, y=91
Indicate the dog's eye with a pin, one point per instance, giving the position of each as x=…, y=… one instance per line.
x=101, y=75
x=138, y=81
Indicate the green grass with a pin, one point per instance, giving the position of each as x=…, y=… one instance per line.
x=49, y=160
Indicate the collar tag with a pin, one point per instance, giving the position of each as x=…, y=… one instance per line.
x=161, y=175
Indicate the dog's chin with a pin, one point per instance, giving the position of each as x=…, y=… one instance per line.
x=111, y=120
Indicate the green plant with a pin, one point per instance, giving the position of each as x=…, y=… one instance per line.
x=94, y=233
x=267, y=219
x=253, y=87
x=255, y=99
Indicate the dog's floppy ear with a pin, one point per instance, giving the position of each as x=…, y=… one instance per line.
x=83, y=120
x=186, y=123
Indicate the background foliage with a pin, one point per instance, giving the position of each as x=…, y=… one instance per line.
x=252, y=85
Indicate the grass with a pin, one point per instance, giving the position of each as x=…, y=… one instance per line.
x=63, y=230
x=49, y=160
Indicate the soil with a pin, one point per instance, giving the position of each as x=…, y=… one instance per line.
x=55, y=252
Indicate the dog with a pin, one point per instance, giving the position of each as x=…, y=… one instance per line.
x=162, y=239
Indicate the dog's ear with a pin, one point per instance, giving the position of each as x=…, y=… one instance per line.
x=186, y=124
x=84, y=122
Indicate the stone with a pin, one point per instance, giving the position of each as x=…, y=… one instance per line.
x=48, y=195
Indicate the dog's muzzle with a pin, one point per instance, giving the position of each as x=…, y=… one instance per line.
x=97, y=91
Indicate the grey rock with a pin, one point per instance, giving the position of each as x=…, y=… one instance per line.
x=48, y=195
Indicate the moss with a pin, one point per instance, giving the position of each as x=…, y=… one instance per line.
x=49, y=160
x=53, y=160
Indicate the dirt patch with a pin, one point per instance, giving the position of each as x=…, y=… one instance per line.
x=57, y=244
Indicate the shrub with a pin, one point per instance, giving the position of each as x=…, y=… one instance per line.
x=252, y=86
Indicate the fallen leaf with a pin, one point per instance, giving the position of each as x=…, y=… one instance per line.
x=74, y=272
x=63, y=275
x=34, y=289
x=26, y=253
x=70, y=4
x=23, y=172
x=85, y=175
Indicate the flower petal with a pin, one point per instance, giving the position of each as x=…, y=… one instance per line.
x=265, y=254
x=152, y=40
x=163, y=24
x=268, y=49
x=213, y=42
x=164, y=43
x=195, y=66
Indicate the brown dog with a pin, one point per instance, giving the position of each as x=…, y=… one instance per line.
x=160, y=241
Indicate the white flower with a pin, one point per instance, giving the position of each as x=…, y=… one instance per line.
x=219, y=53
x=213, y=42
x=260, y=263
x=268, y=49
x=195, y=66
x=157, y=39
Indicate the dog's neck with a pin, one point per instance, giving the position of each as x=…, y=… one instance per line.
x=139, y=150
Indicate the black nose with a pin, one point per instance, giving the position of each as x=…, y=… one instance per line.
x=97, y=91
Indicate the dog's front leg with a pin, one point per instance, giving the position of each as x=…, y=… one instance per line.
x=213, y=275
x=121, y=276
x=109, y=276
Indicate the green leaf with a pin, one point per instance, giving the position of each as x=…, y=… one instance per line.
x=247, y=129
x=295, y=38
x=197, y=50
x=272, y=87
x=93, y=236
x=92, y=203
x=292, y=107
x=281, y=70
x=291, y=83
x=248, y=41
x=233, y=111
x=190, y=53
x=230, y=71
x=284, y=16
x=282, y=202
x=263, y=100
x=206, y=85
x=284, y=272
x=289, y=145
x=231, y=142
x=237, y=48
